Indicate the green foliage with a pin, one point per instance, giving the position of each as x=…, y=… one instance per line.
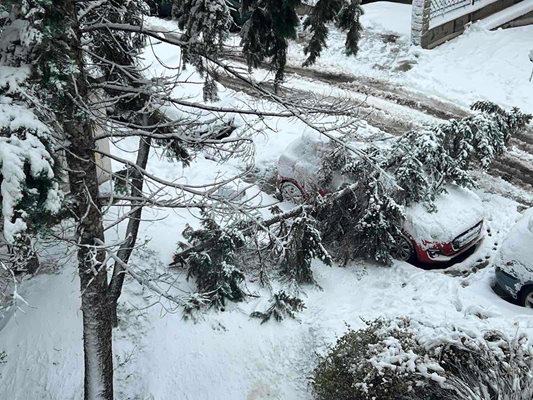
x=345, y=13
x=303, y=244
x=282, y=305
x=214, y=269
x=423, y=162
x=392, y=360
x=350, y=369
x=376, y=233
x=266, y=33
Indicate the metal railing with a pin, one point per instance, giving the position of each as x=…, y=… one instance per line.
x=441, y=7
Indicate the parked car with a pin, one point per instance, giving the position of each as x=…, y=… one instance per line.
x=456, y=226
x=514, y=262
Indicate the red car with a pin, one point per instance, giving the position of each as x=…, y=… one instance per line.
x=456, y=226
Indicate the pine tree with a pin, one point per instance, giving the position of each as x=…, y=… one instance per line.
x=267, y=28
x=206, y=25
x=29, y=170
x=345, y=14
x=424, y=161
x=266, y=33
x=217, y=275
x=303, y=244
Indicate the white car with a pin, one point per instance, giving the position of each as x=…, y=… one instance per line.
x=514, y=262
x=429, y=237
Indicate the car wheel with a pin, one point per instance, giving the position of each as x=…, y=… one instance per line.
x=403, y=250
x=291, y=192
x=526, y=297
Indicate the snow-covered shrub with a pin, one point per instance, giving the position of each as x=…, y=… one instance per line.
x=282, y=305
x=383, y=361
x=405, y=359
x=29, y=179
x=493, y=367
x=214, y=268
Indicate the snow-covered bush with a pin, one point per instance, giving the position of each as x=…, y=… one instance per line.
x=383, y=361
x=492, y=367
x=29, y=179
x=405, y=359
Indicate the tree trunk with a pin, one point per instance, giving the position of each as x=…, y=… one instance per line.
x=97, y=331
x=97, y=335
x=125, y=250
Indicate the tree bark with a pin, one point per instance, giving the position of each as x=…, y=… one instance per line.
x=97, y=335
x=134, y=221
x=83, y=181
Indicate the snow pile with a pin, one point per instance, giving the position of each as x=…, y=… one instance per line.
x=457, y=210
x=508, y=14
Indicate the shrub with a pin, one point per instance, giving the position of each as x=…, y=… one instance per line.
x=390, y=360
x=383, y=361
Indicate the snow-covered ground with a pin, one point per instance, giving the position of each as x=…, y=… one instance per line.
x=228, y=355
x=480, y=64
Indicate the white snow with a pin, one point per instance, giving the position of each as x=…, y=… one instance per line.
x=508, y=14
x=478, y=65
x=228, y=355
x=302, y=160
x=387, y=17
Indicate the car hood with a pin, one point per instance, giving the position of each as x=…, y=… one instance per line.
x=515, y=255
x=457, y=210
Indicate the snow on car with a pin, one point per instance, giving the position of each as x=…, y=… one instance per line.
x=514, y=262
x=434, y=237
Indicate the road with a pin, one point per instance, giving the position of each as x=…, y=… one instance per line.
x=396, y=109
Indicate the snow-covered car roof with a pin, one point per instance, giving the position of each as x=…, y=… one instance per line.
x=516, y=252
x=457, y=210
x=302, y=159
